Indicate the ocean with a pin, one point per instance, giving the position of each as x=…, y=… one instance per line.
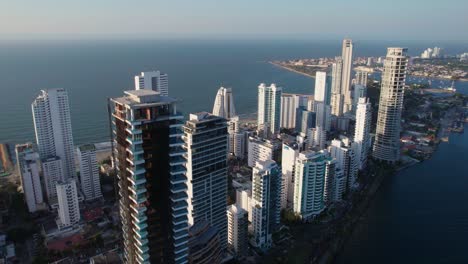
x=418, y=215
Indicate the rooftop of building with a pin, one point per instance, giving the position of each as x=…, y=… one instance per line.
x=233, y=208
x=314, y=155
x=265, y=164
x=143, y=97
x=204, y=116
x=87, y=147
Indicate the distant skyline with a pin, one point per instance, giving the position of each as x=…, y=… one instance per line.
x=299, y=19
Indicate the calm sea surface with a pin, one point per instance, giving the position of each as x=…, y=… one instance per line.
x=418, y=216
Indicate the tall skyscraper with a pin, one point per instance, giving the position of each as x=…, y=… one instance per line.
x=343, y=151
x=289, y=155
x=153, y=80
x=52, y=169
x=206, y=143
x=361, y=76
x=52, y=123
x=68, y=207
x=323, y=88
x=289, y=105
x=269, y=108
x=387, y=136
x=204, y=244
x=337, y=99
x=362, y=131
x=266, y=199
x=224, y=104
x=347, y=56
x=89, y=172
x=309, y=183
x=151, y=176
x=261, y=149
x=237, y=230
x=28, y=163
x=304, y=120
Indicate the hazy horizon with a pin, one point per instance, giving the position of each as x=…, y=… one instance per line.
x=359, y=19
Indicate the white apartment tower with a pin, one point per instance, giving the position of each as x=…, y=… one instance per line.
x=206, y=143
x=309, y=183
x=224, y=104
x=289, y=105
x=322, y=91
x=362, y=131
x=337, y=99
x=89, y=172
x=68, y=207
x=266, y=199
x=347, y=56
x=28, y=163
x=289, y=155
x=269, y=108
x=237, y=230
x=52, y=124
x=153, y=80
x=343, y=151
x=52, y=169
x=261, y=149
x=387, y=136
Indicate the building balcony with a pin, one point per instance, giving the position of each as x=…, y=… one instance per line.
x=143, y=249
x=178, y=150
x=182, y=196
x=178, y=169
x=178, y=178
x=139, y=218
x=141, y=241
x=141, y=233
x=144, y=258
x=179, y=213
x=177, y=160
x=141, y=226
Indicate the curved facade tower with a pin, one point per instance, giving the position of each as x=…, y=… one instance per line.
x=224, y=103
x=387, y=136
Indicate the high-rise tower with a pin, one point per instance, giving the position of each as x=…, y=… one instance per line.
x=336, y=96
x=29, y=166
x=52, y=123
x=269, y=108
x=89, y=172
x=147, y=131
x=347, y=56
x=266, y=199
x=387, y=136
x=206, y=143
x=309, y=183
x=224, y=103
x=362, y=131
x=153, y=80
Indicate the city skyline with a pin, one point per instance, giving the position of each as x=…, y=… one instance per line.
x=296, y=165
x=205, y=19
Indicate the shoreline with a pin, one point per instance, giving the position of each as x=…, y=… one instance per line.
x=412, y=75
x=291, y=69
x=337, y=247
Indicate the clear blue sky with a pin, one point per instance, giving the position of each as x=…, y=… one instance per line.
x=365, y=19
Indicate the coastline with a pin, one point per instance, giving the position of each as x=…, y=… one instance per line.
x=409, y=74
x=354, y=216
x=291, y=70
x=338, y=246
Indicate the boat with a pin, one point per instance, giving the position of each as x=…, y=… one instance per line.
x=451, y=88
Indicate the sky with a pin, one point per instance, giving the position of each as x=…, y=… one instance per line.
x=309, y=19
